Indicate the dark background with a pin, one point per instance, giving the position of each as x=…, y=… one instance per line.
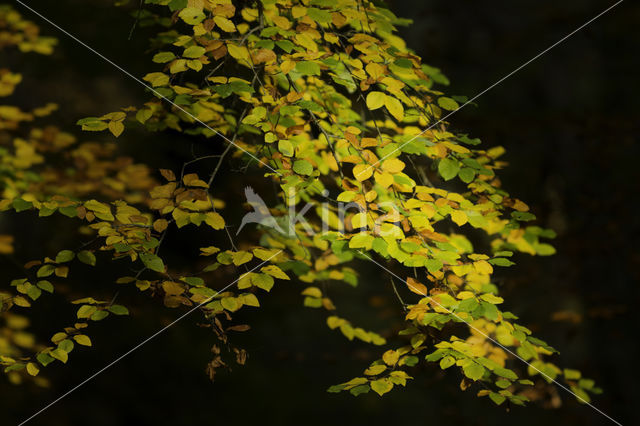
x=569, y=122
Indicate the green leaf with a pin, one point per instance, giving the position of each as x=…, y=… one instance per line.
x=319, y=15
x=285, y=45
x=497, y=398
x=85, y=256
x=501, y=261
x=46, y=286
x=69, y=211
x=359, y=390
x=447, y=362
x=381, y=386
x=433, y=265
x=177, y=4
x=503, y=383
x=447, y=103
x=194, y=52
x=361, y=240
x=308, y=68
x=99, y=315
x=34, y=292
x=65, y=256
x=152, y=262
x=474, y=371
x=582, y=396
x=230, y=304
x=193, y=281
x=192, y=16
x=448, y=168
x=85, y=311
x=335, y=389
x=506, y=373
x=285, y=147
x=20, y=205
x=262, y=281
x=66, y=345
x=45, y=270
x=571, y=374
x=163, y=57
x=303, y=167
x=467, y=174
x=118, y=310
x=44, y=359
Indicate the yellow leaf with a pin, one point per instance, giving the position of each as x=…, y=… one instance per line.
x=97, y=207
x=178, y=65
x=298, y=11
x=275, y=272
x=116, y=127
x=287, y=66
x=266, y=254
x=381, y=386
x=172, y=288
x=208, y=251
x=224, y=24
x=312, y=292
x=157, y=79
x=483, y=267
x=492, y=298
x=334, y=322
x=214, y=220
x=81, y=339
x=230, y=304
x=32, y=369
x=264, y=56
x=520, y=206
x=114, y=116
x=375, y=369
x=395, y=108
x=459, y=217
x=359, y=220
x=240, y=53
x=226, y=10
x=160, y=225
x=250, y=299
x=384, y=179
x=362, y=172
x=393, y=165
x=463, y=295
x=60, y=355
x=282, y=22
x=390, y=357
x=376, y=100
x=305, y=40
x=192, y=179
x=241, y=257
x=181, y=217
x=163, y=191
x=416, y=287
x=370, y=196
x=375, y=70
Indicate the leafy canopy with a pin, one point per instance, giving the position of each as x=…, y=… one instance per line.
x=334, y=106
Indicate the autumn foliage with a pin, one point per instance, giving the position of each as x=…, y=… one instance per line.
x=322, y=100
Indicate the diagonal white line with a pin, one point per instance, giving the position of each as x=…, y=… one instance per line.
x=157, y=333
x=155, y=92
x=493, y=340
x=493, y=85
